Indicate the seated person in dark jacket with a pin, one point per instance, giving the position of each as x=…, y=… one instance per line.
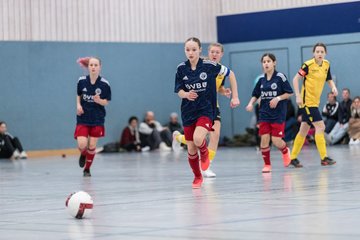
x=174, y=124
x=130, y=138
x=330, y=112
x=342, y=125
x=10, y=147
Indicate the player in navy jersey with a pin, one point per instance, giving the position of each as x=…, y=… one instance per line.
x=215, y=53
x=195, y=84
x=93, y=93
x=272, y=88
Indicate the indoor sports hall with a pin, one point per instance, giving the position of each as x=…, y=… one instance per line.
x=147, y=193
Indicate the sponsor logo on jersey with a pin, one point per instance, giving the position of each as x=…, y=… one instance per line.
x=203, y=76
x=185, y=78
x=197, y=87
x=88, y=98
x=261, y=86
x=84, y=89
x=268, y=94
x=98, y=91
x=273, y=86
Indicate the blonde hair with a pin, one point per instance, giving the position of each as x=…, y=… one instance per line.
x=216, y=45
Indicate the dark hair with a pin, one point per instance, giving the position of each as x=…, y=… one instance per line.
x=346, y=89
x=133, y=118
x=270, y=55
x=2, y=122
x=194, y=39
x=357, y=97
x=319, y=44
x=329, y=93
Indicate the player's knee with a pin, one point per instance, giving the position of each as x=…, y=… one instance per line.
x=92, y=145
x=198, y=141
x=82, y=145
x=320, y=128
x=278, y=142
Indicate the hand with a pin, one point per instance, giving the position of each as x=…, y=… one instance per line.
x=227, y=92
x=79, y=110
x=274, y=102
x=249, y=107
x=299, y=101
x=335, y=91
x=97, y=99
x=191, y=95
x=234, y=102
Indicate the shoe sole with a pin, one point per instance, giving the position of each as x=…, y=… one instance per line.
x=328, y=164
x=209, y=176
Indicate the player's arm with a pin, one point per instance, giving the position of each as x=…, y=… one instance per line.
x=331, y=83
x=102, y=102
x=255, y=96
x=79, y=109
x=250, y=105
x=235, y=95
x=296, y=80
x=332, y=86
x=191, y=95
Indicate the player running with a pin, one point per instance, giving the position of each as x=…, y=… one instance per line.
x=272, y=89
x=195, y=84
x=215, y=53
x=93, y=93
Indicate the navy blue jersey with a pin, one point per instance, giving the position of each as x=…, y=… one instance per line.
x=203, y=81
x=94, y=114
x=269, y=89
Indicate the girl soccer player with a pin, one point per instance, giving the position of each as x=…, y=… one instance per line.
x=315, y=73
x=195, y=84
x=272, y=89
x=93, y=93
x=215, y=53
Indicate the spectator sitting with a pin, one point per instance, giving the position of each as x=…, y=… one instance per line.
x=130, y=138
x=341, y=127
x=330, y=112
x=174, y=124
x=291, y=122
x=10, y=147
x=354, y=122
x=153, y=134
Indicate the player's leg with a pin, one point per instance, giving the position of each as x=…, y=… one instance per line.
x=277, y=134
x=203, y=126
x=321, y=143
x=94, y=134
x=177, y=140
x=285, y=151
x=193, y=156
x=81, y=135
x=264, y=132
x=90, y=155
x=214, y=137
x=300, y=137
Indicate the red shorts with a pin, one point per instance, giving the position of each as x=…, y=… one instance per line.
x=274, y=129
x=204, y=122
x=89, y=131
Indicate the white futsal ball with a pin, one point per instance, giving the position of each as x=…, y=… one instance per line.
x=79, y=204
